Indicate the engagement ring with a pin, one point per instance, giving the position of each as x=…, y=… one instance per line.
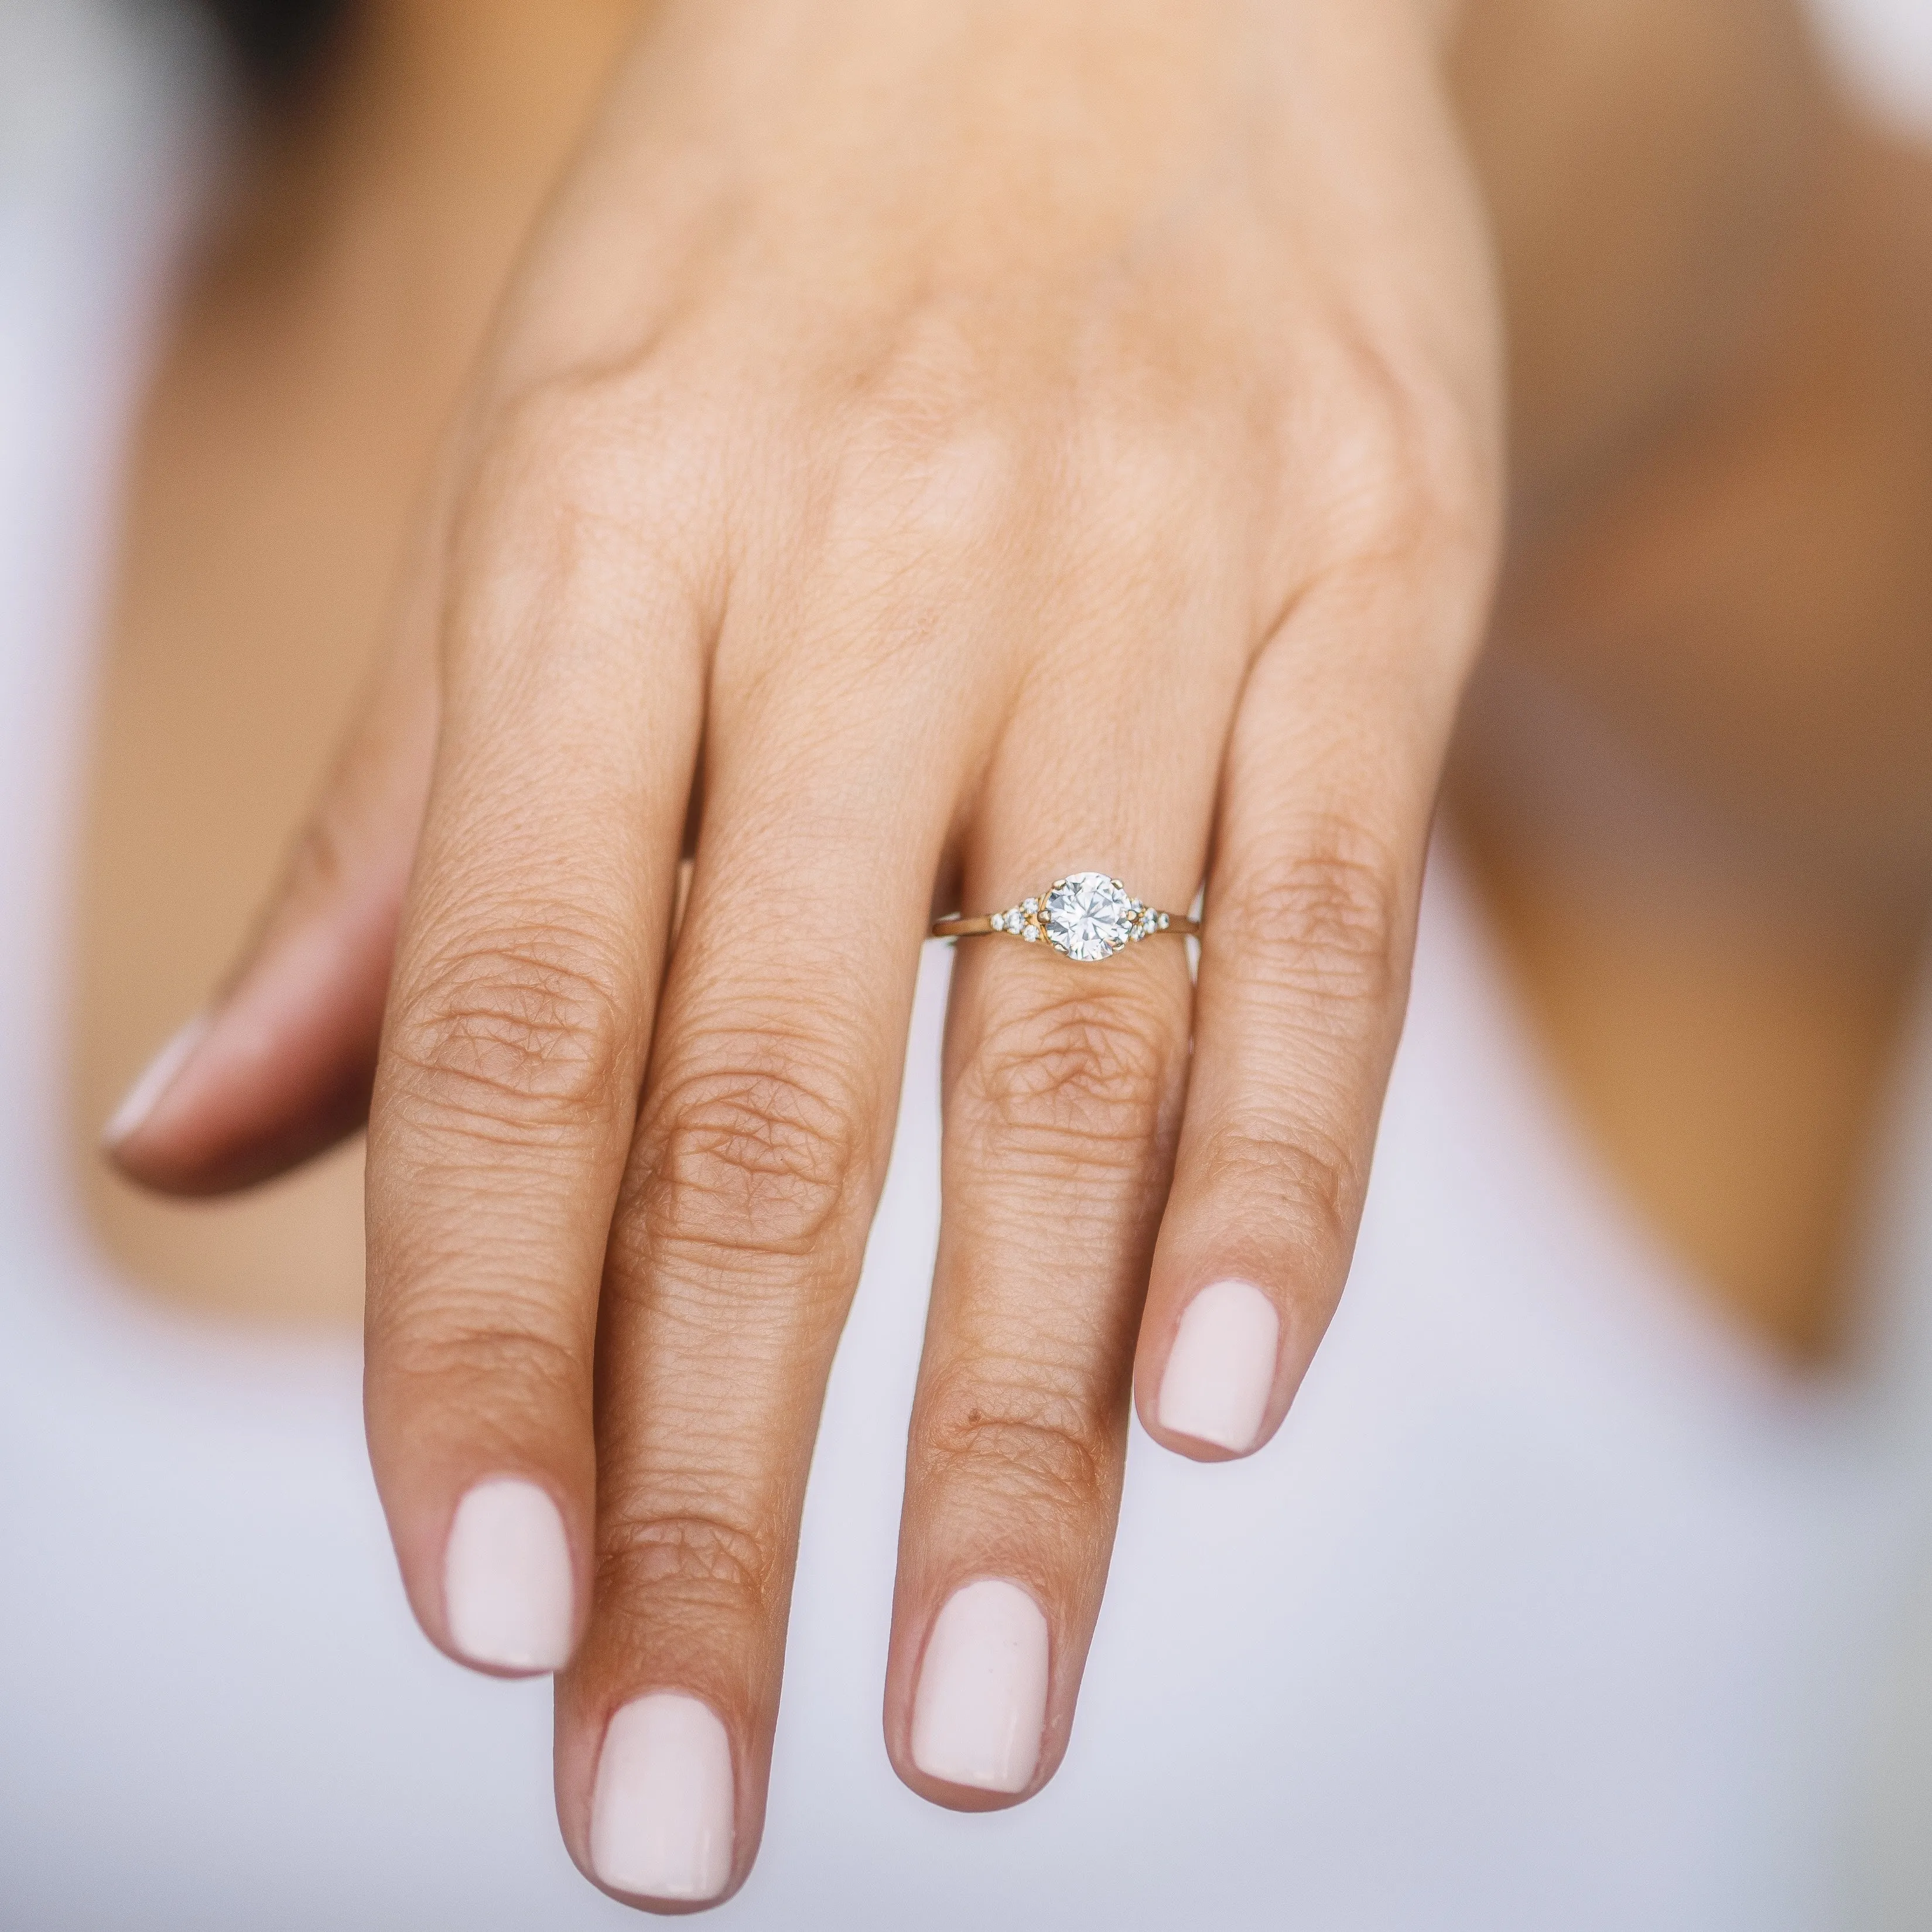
x=1086, y=916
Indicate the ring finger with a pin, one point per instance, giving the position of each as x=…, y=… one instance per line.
x=1064, y=1081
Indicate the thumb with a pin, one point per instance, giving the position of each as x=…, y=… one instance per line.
x=278, y=1066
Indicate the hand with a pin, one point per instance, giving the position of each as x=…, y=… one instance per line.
x=929, y=449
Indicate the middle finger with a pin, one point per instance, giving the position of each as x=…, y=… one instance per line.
x=760, y=1149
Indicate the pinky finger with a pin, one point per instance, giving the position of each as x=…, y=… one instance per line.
x=1327, y=795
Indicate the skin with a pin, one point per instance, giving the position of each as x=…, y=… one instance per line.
x=923, y=510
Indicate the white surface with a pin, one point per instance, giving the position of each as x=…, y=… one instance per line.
x=1886, y=47
x=1555, y=1607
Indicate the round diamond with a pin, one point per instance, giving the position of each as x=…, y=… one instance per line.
x=998, y=921
x=1088, y=916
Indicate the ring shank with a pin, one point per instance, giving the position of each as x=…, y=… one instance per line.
x=975, y=926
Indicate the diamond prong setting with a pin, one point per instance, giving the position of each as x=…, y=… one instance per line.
x=1084, y=916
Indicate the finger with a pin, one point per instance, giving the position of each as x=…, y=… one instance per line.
x=759, y=1153
x=526, y=981
x=278, y=1066
x=1064, y=1081
x=1327, y=797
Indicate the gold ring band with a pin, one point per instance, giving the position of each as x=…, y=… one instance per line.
x=1086, y=916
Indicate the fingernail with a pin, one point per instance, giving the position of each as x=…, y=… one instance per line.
x=507, y=1587
x=1220, y=1371
x=160, y=1074
x=981, y=1706
x=661, y=1822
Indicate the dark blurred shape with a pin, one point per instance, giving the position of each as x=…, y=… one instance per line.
x=278, y=43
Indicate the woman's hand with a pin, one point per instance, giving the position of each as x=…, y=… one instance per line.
x=930, y=449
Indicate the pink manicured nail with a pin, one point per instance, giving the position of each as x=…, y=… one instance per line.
x=981, y=1706
x=160, y=1074
x=507, y=1586
x=661, y=1820
x=1220, y=1371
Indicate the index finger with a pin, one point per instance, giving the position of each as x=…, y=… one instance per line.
x=526, y=980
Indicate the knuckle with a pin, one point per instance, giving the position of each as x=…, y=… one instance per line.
x=581, y=476
x=527, y=1030
x=1325, y=924
x=504, y=1344
x=1407, y=473
x=1016, y=1441
x=758, y=1153
x=652, y=1561
x=1308, y=1186
x=1085, y=1074
x=924, y=464
x=565, y=443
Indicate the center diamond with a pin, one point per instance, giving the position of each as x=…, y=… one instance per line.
x=1088, y=916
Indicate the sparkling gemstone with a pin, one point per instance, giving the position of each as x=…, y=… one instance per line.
x=1088, y=916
